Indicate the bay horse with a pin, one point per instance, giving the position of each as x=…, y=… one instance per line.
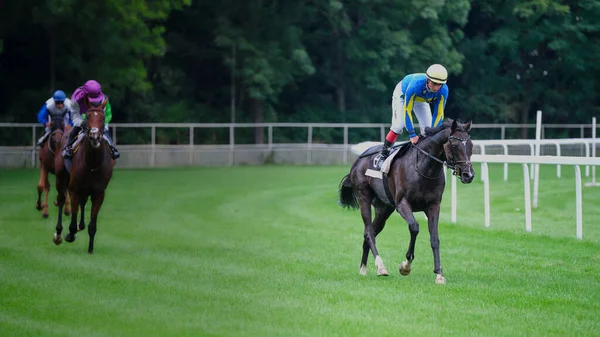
x=415, y=182
x=89, y=176
x=46, y=157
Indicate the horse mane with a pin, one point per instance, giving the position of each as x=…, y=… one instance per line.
x=432, y=131
x=445, y=125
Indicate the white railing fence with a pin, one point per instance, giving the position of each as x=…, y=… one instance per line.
x=156, y=149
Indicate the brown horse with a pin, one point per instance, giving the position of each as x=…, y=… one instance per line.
x=415, y=183
x=89, y=175
x=47, y=153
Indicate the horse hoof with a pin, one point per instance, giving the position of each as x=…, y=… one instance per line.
x=67, y=213
x=70, y=237
x=382, y=272
x=45, y=216
x=38, y=207
x=363, y=270
x=404, y=268
x=440, y=279
x=57, y=239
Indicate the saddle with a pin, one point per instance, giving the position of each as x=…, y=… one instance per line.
x=385, y=166
x=379, y=184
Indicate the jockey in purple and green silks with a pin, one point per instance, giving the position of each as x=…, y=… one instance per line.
x=414, y=94
x=90, y=94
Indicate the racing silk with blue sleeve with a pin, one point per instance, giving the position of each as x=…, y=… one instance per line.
x=50, y=110
x=414, y=89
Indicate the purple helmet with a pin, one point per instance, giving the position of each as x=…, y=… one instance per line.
x=93, y=90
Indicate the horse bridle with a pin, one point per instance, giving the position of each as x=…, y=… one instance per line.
x=449, y=164
x=55, y=131
x=454, y=154
x=52, y=137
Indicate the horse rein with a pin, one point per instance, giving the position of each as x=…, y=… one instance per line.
x=86, y=131
x=50, y=139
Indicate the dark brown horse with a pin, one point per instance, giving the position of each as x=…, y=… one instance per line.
x=89, y=175
x=414, y=183
x=47, y=153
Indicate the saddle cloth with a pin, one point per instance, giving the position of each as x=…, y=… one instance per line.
x=380, y=185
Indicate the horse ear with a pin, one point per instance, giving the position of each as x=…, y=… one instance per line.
x=104, y=103
x=454, y=126
x=467, y=126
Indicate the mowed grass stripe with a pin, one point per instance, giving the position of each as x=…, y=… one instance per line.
x=266, y=251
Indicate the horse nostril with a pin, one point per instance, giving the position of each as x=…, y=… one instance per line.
x=467, y=175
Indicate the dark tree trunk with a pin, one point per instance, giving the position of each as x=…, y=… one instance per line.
x=258, y=117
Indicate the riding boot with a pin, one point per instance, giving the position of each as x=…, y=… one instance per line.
x=43, y=138
x=383, y=154
x=68, y=149
x=114, y=153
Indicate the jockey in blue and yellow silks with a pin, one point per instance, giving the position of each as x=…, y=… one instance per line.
x=414, y=94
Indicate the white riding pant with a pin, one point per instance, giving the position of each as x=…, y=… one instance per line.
x=421, y=110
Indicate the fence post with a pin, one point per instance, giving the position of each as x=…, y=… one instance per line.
x=527, y=190
x=191, y=156
x=578, y=204
x=33, y=141
x=153, y=156
x=345, y=144
x=309, y=143
x=231, y=144
x=270, y=138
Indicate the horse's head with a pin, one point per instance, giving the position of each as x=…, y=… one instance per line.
x=95, y=126
x=57, y=123
x=458, y=150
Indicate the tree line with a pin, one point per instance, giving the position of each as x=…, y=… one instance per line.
x=301, y=61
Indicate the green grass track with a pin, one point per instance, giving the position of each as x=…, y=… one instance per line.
x=267, y=251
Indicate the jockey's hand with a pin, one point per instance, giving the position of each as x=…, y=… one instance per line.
x=414, y=139
x=48, y=123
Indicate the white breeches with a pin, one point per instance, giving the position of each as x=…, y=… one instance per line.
x=421, y=110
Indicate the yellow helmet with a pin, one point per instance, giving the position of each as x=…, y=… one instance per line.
x=437, y=73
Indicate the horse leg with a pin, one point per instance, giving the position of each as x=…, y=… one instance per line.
x=67, y=205
x=405, y=211
x=97, y=201
x=40, y=188
x=57, y=238
x=75, y=200
x=81, y=225
x=433, y=214
x=382, y=213
x=47, y=193
x=369, y=233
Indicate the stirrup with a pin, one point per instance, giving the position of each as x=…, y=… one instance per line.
x=378, y=160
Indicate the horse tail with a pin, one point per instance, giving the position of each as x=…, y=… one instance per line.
x=347, y=195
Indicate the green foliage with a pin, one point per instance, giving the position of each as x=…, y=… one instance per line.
x=318, y=61
x=110, y=40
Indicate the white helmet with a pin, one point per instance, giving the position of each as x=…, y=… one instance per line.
x=436, y=73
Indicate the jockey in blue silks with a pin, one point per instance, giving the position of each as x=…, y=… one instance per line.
x=56, y=106
x=414, y=94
